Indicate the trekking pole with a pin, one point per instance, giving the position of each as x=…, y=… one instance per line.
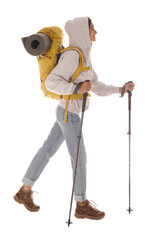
x=129, y=133
x=78, y=147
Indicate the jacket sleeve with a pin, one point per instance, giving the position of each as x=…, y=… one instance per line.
x=101, y=89
x=57, y=80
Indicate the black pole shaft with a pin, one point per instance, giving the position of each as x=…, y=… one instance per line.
x=77, y=156
x=129, y=132
x=75, y=171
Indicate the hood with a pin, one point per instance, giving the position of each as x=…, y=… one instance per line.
x=78, y=32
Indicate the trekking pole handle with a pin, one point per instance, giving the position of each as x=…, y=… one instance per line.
x=123, y=89
x=129, y=100
x=84, y=98
x=87, y=81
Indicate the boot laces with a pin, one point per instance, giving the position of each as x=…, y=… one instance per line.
x=93, y=205
x=29, y=197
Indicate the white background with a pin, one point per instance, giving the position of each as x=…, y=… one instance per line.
x=121, y=53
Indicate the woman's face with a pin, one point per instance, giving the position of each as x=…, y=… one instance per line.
x=92, y=32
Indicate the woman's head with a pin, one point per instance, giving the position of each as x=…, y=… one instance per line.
x=92, y=31
x=79, y=36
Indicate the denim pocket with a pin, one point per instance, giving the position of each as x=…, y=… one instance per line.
x=73, y=117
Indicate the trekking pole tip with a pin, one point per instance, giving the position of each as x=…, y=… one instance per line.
x=129, y=210
x=69, y=222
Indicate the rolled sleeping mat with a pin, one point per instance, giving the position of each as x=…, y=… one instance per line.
x=36, y=44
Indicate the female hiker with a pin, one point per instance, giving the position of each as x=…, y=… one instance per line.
x=81, y=35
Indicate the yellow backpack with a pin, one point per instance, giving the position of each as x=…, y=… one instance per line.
x=49, y=59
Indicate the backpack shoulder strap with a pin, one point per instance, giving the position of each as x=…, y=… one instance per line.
x=81, y=62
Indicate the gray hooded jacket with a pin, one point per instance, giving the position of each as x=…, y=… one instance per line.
x=57, y=81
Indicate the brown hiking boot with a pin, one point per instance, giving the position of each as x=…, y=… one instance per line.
x=25, y=197
x=88, y=210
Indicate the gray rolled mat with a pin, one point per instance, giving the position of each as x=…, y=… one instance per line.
x=36, y=44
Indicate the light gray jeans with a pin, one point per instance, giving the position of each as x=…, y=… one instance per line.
x=61, y=131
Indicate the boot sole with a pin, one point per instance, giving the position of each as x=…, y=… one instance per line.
x=21, y=202
x=89, y=217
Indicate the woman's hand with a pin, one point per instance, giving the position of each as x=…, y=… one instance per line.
x=129, y=87
x=85, y=87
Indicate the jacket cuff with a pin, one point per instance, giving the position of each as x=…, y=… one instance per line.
x=77, y=88
x=115, y=90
